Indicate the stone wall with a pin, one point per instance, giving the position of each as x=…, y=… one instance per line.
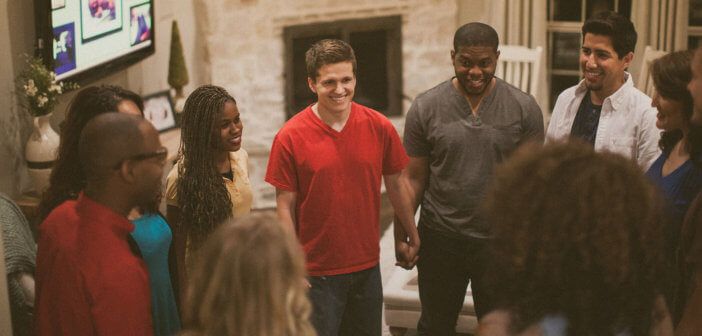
x=244, y=43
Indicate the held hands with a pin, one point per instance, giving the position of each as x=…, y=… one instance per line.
x=406, y=249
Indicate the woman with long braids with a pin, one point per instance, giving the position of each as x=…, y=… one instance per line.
x=151, y=232
x=210, y=182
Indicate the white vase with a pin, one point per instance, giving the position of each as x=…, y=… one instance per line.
x=40, y=152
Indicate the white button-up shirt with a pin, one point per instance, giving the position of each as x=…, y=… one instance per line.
x=627, y=123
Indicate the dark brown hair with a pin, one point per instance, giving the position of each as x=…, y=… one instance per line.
x=67, y=177
x=328, y=51
x=576, y=233
x=671, y=74
x=619, y=28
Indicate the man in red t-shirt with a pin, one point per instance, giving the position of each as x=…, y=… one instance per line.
x=89, y=279
x=326, y=164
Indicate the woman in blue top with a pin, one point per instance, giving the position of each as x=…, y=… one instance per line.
x=153, y=236
x=677, y=173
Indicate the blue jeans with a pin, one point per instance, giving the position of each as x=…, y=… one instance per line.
x=446, y=265
x=347, y=304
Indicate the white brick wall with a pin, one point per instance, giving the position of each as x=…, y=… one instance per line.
x=245, y=47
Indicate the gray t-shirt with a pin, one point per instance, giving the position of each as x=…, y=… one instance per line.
x=464, y=150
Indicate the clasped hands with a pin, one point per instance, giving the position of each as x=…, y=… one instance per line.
x=406, y=249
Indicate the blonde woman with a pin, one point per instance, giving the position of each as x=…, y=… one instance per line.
x=249, y=281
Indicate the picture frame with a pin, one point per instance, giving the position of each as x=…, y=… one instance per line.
x=99, y=18
x=64, y=48
x=158, y=109
x=140, y=23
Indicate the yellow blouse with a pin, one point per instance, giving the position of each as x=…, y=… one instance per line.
x=239, y=190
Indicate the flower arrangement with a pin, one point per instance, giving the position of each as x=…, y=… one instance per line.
x=39, y=88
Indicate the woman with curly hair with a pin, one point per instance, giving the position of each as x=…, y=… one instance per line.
x=249, y=281
x=577, y=246
x=677, y=173
x=151, y=232
x=210, y=182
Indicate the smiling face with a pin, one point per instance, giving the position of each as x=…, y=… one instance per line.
x=228, y=129
x=334, y=86
x=670, y=116
x=475, y=68
x=601, y=65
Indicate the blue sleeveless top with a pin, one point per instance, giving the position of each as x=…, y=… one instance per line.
x=153, y=236
x=679, y=188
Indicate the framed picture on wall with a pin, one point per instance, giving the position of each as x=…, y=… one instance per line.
x=99, y=18
x=140, y=26
x=64, y=47
x=158, y=109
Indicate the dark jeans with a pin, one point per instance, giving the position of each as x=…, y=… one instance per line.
x=446, y=265
x=347, y=304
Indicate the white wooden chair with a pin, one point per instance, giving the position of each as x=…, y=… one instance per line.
x=643, y=80
x=520, y=66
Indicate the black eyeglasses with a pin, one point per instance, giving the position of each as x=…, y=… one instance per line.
x=161, y=154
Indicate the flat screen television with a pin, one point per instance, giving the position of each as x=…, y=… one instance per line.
x=84, y=40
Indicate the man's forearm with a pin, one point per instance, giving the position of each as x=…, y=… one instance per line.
x=401, y=200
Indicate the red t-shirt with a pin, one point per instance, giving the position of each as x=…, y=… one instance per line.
x=88, y=282
x=337, y=177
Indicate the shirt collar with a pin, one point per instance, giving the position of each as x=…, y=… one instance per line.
x=101, y=214
x=617, y=98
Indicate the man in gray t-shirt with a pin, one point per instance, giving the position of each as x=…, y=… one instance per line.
x=456, y=134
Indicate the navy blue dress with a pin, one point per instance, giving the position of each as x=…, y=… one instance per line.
x=678, y=189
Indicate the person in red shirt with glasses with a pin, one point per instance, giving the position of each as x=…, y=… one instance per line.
x=90, y=277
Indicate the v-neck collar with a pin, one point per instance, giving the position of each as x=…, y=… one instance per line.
x=485, y=104
x=677, y=171
x=317, y=120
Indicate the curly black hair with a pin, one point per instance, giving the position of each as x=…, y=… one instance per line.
x=576, y=233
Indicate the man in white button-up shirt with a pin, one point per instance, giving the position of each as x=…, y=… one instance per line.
x=605, y=109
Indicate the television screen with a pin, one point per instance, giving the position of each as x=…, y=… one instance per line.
x=91, y=38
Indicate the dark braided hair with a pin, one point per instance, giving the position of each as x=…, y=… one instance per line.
x=202, y=194
x=67, y=177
